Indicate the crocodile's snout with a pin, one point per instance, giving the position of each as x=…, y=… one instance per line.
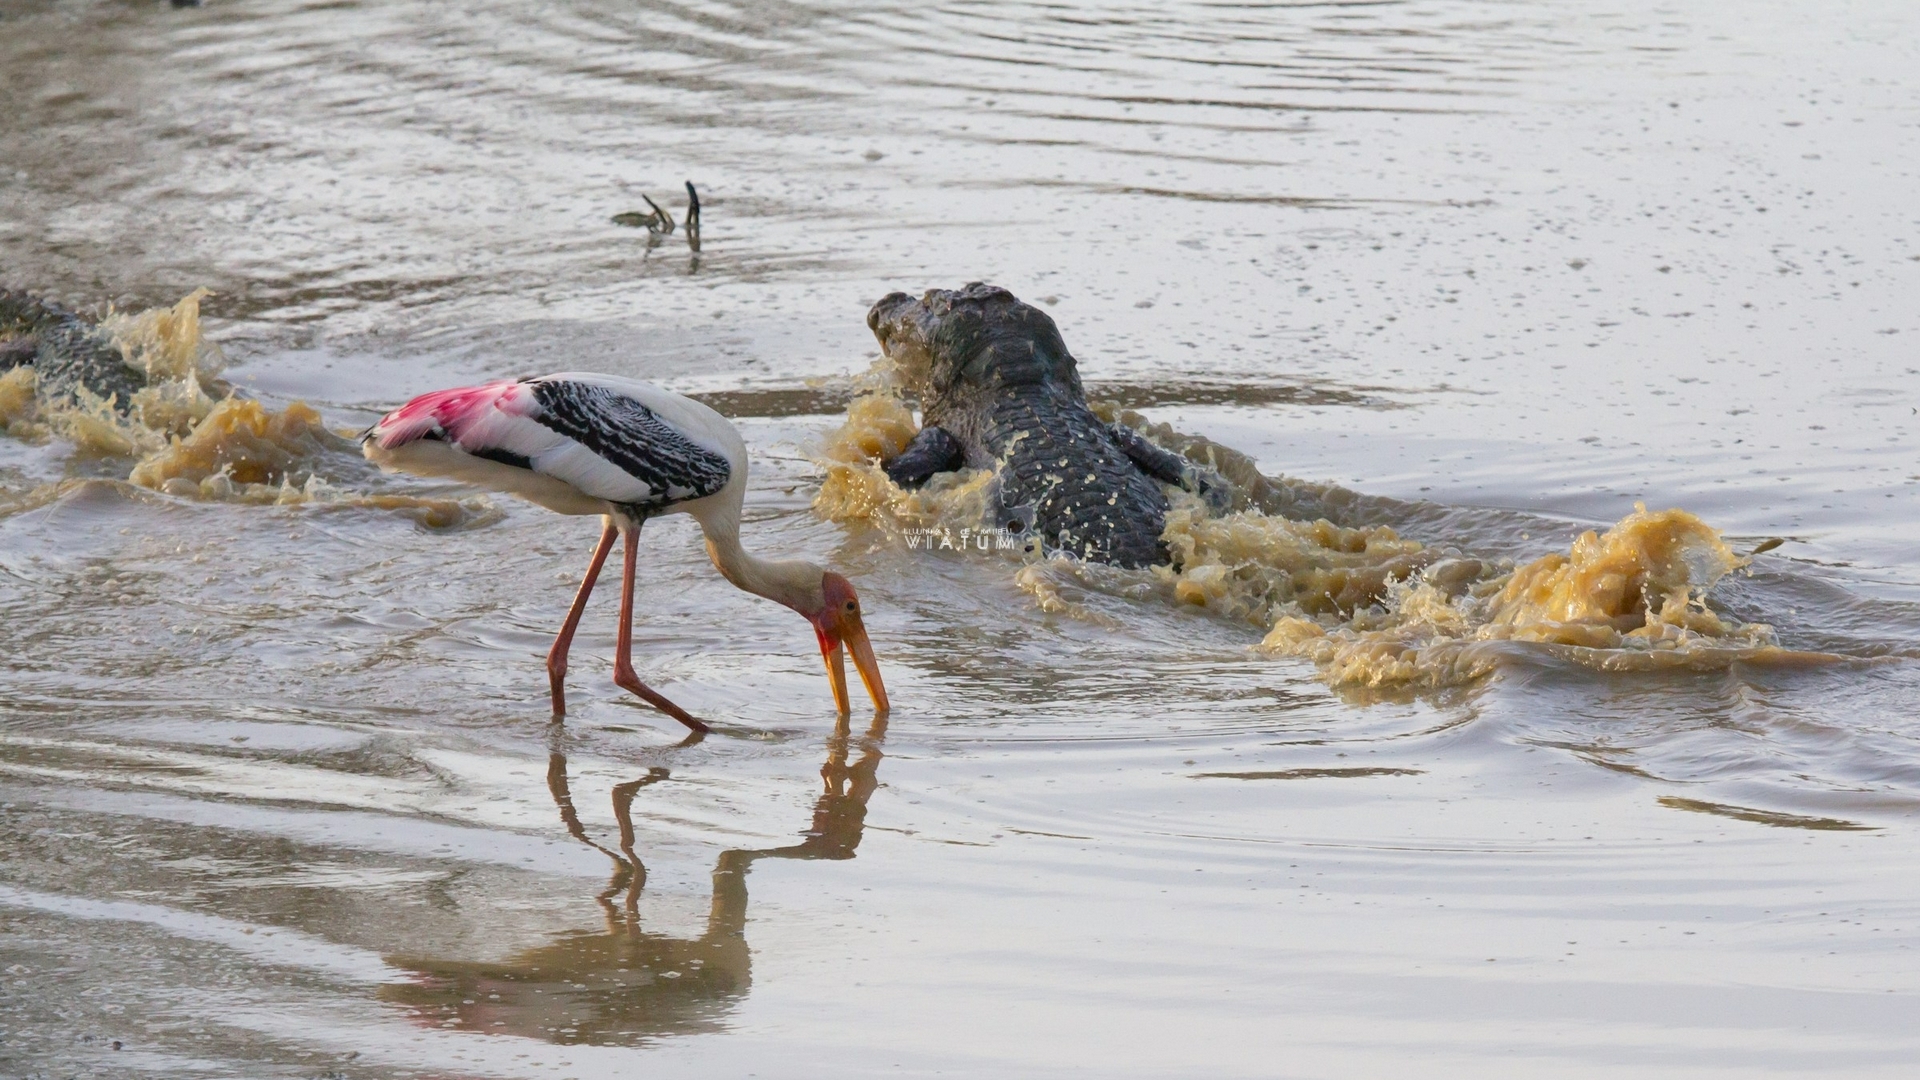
x=885, y=314
x=905, y=327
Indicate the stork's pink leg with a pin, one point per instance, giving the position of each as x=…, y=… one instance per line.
x=563, y=642
x=623, y=673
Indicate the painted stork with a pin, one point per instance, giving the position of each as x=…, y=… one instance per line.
x=594, y=444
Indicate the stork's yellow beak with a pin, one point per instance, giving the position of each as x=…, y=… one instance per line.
x=837, y=621
x=849, y=636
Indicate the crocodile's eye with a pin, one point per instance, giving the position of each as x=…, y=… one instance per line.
x=1016, y=525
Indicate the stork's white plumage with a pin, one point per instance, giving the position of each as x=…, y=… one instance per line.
x=581, y=443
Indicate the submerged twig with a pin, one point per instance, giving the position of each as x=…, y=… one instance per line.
x=657, y=222
x=693, y=217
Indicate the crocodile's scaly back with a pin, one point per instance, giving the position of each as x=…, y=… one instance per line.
x=1062, y=475
x=70, y=353
x=994, y=373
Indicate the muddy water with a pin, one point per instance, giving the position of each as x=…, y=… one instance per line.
x=277, y=789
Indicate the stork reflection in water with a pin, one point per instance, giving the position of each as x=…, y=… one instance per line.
x=628, y=985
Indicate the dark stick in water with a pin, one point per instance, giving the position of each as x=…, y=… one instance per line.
x=693, y=217
x=661, y=222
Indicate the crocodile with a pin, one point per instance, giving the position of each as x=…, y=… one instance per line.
x=998, y=390
x=68, y=353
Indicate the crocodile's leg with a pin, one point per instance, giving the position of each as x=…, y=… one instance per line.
x=934, y=450
x=1170, y=468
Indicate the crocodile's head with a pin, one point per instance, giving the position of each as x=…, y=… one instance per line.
x=951, y=343
x=20, y=314
x=21, y=319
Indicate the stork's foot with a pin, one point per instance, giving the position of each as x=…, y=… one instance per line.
x=627, y=679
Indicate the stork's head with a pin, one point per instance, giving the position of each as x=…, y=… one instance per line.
x=837, y=622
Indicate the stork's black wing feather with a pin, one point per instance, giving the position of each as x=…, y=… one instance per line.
x=633, y=437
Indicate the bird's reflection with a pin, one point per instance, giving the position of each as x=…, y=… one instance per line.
x=628, y=984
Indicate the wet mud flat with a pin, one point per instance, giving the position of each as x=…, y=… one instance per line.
x=1461, y=283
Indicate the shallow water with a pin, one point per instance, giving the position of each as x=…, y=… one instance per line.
x=277, y=788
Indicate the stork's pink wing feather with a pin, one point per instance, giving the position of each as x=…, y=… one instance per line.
x=451, y=413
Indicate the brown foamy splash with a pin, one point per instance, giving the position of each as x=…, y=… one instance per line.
x=18, y=408
x=241, y=444
x=1371, y=608
x=1632, y=598
x=194, y=440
